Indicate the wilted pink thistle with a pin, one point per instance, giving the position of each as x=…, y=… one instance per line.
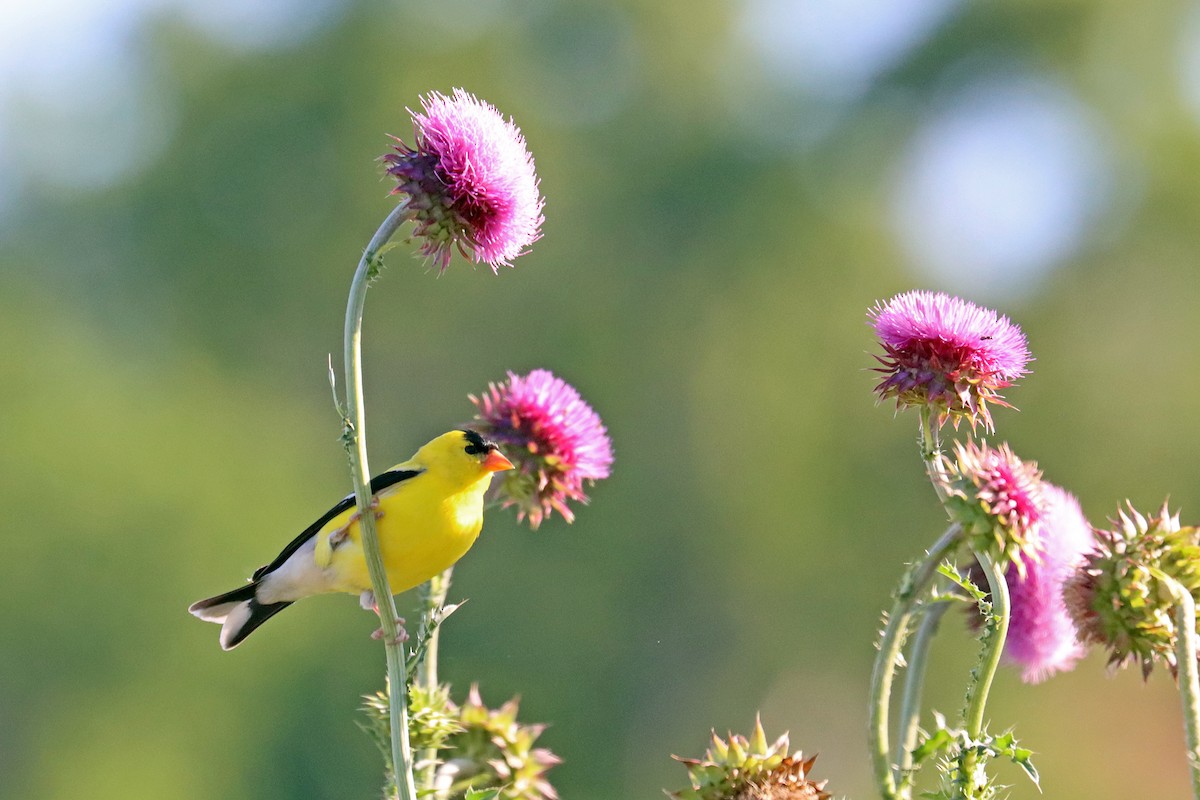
x=553, y=437
x=948, y=354
x=997, y=498
x=470, y=181
x=1042, y=638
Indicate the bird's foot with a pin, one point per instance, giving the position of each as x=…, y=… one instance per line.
x=339, y=535
x=401, y=633
x=374, y=506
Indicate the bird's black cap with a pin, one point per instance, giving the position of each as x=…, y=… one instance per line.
x=476, y=444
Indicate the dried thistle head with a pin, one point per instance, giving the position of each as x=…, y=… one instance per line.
x=750, y=769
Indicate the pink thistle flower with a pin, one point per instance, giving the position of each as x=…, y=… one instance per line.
x=554, y=438
x=998, y=500
x=470, y=182
x=948, y=354
x=1042, y=638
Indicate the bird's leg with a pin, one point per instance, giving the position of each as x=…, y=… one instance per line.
x=338, y=535
x=367, y=601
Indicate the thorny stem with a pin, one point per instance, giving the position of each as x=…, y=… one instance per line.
x=1189, y=676
x=910, y=704
x=915, y=580
x=930, y=444
x=355, y=439
x=994, y=635
x=433, y=597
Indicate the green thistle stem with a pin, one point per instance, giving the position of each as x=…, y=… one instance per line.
x=1189, y=676
x=915, y=580
x=910, y=703
x=433, y=597
x=931, y=451
x=355, y=439
x=995, y=634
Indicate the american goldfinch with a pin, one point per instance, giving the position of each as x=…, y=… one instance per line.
x=429, y=511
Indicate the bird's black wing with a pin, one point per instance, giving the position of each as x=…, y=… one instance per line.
x=380, y=482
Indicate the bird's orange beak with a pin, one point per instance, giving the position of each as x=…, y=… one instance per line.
x=496, y=462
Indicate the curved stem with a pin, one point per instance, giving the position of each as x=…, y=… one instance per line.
x=914, y=581
x=355, y=439
x=995, y=634
x=433, y=597
x=993, y=645
x=1189, y=675
x=914, y=681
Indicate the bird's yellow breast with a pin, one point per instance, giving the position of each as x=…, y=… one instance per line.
x=426, y=525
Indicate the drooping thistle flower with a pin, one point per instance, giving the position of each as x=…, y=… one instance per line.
x=750, y=769
x=469, y=180
x=1041, y=636
x=997, y=498
x=947, y=354
x=551, y=434
x=1118, y=597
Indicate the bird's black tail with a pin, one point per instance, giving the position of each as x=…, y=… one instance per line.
x=239, y=613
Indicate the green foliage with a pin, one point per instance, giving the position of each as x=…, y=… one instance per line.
x=962, y=761
x=481, y=794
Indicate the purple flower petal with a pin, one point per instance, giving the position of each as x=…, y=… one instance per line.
x=1042, y=638
x=553, y=437
x=470, y=180
x=948, y=354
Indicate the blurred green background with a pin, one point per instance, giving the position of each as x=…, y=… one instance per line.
x=185, y=187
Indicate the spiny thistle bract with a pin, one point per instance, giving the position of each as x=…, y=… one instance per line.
x=493, y=750
x=1117, y=597
x=947, y=354
x=469, y=180
x=433, y=718
x=551, y=434
x=750, y=769
x=997, y=499
x=477, y=748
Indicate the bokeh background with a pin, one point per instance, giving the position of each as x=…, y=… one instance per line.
x=186, y=185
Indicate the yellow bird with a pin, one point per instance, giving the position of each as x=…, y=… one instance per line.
x=429, y=511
